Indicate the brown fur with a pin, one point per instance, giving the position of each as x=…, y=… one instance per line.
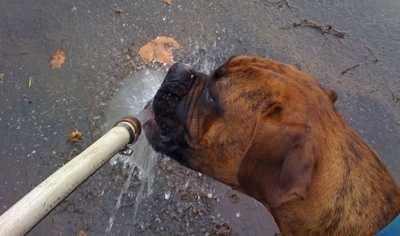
x=272, y=132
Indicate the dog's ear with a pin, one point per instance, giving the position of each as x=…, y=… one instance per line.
x=279, y=161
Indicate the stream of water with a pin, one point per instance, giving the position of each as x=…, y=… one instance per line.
x=138, y=89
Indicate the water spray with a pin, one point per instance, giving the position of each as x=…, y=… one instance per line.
x=29, y=210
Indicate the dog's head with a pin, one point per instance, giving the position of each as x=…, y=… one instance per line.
x=251, y=124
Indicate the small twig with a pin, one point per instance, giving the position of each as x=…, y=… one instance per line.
x=278, y=4
x=324, y=29
x=348, y=69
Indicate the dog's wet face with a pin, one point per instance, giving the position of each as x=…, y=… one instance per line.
x=168, y=131
x=209, y=122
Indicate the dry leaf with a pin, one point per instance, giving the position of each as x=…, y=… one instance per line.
x=168, y=1
x=58, y=59
x=75, y=136
x=160, y=49
x=82, y=233
x=1, y=77
x=118, y=10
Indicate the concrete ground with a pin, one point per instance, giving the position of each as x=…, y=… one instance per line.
x=353, y=47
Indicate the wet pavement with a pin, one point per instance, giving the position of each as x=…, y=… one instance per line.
x=352, y=47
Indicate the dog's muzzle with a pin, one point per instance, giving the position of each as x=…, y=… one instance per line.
x=166, y=131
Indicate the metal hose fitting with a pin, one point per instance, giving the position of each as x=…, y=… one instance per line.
x=133, y=126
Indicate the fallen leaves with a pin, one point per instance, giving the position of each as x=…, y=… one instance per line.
x=118, y=10
x=58, y=59
x=160, y=50
x=169, y=2
x=82, y=233
x=1, y=77
x=75, y=136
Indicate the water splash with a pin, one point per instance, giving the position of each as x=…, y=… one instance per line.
x=135, y=93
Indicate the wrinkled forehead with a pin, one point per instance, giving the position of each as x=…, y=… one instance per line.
x=267, y=70
x=270, y=80
x=238, y=63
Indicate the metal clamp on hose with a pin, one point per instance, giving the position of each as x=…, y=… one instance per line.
x=132, y=125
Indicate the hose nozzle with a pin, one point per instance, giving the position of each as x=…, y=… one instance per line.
x=132, y=125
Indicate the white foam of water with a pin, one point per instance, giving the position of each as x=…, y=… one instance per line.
x=138, y=89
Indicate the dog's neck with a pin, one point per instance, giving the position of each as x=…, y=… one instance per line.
x=352, y=193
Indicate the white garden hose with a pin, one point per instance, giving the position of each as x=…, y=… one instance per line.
x=29, y=210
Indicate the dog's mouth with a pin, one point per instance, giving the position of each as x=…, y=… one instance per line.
x=167, y=129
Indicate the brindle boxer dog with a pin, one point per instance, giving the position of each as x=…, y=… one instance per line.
x=271, y=131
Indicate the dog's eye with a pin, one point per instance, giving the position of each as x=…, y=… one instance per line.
x=210, y=100
x=208, y=96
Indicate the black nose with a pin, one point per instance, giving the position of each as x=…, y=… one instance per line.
x=178, y=72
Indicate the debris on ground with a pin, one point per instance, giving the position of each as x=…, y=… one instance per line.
x=1, y=77
x=395, y=96
x=160, y=50
x=118, y=10
x=82, y=233
x=278, y=4
x=75, y=136
x=324, y=29
x=27, y=99
x=349, y=69
x=169, y=1
x=58, y=59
